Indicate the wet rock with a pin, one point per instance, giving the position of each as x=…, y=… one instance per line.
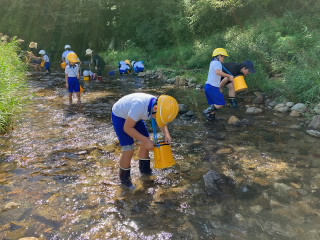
x=246, y=192
x=256, y=209
x=171, y=81
x=84, y=152
x=261, y=182
x=185, y=167
x=283, y=109
x=183, y=108
x=141, y=74
x=315, y=122
x=179, y=81
x=244, y=122
x=211, y=181
x=289, y=104
x=282, y=189
x=190, y=113
x=253, y=110
x=295, y=113
x=225, y=150
x=259, y=98
x=65, y=179
x=272, y=104
x=233, y=120
x=10, y=205
x=299, y=107
x=313, y=133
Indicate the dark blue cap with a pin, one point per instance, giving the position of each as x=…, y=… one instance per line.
x=249, y=65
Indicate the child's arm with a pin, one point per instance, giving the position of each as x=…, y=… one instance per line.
x=66, y=76
x=131, y=131
x=166, y=133
x=223, y=74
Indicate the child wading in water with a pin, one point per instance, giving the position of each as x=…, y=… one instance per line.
x=212, y=89
x=45, y=61
x=72, y=73
x=128, y=117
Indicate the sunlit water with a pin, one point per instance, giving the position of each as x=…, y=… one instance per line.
x=59, y=165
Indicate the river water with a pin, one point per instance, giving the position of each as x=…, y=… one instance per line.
x=59, y=172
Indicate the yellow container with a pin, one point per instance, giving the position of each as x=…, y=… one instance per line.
x=81, y=89
x=163, y=157
x=63, y=65
x=87, y=78
x=42, y=63
x=239, y=84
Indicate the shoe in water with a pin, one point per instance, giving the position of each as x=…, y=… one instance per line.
x=209, y=116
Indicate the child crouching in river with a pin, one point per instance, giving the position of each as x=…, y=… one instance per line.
x=72, y=73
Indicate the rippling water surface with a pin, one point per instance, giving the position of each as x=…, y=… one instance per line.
x=59, y=172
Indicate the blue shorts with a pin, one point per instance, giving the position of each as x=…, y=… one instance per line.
x=74, y=84
x=124, y=138
x=138, y=69
x=47, y=65
x=126, y=71
x=214, y=96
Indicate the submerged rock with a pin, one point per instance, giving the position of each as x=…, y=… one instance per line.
x=313, y=133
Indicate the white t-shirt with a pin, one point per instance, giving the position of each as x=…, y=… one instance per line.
x=213, y=77
x=124, y=67
x=134, y=105
x=46, y=58
x=65, y=54
x=72, y=71
x=139, y=64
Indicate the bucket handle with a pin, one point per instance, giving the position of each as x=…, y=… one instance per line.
x=224, y=68
x=154, y=127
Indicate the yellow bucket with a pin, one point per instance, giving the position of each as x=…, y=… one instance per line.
x=63, y=65
x=239, y=84
x=87, y=78
x=81, y=89
x=42, y=63
x=163, y=157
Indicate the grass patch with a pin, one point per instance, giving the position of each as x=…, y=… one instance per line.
x=12, y=74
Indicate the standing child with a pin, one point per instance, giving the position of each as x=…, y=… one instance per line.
x=72, y=73
x=45, y=61
x=212, y=89
x=128, y=117
x=97, y=61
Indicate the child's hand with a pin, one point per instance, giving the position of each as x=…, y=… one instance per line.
x=67, y=85
x=168, y=139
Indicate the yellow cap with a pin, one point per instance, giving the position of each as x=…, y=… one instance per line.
x=72, y=57
x=128, y=62
x=219, y=51
x=167, y=110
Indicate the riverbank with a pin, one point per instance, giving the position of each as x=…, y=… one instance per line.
x=12, y=77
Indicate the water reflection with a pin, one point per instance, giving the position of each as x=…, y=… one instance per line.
x=59, y=173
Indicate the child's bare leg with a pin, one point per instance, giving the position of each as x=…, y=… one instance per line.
x=78, y=97
x=70, y=97
x=232, y=92
x=125, y=159
x=223, y=83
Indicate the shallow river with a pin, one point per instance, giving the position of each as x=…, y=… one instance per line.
x=59, y=172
